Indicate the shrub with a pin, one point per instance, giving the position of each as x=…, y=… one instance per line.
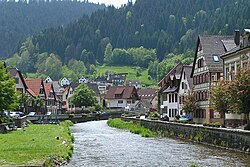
x=138, y=116
x=71, y=115
x=154, y=116
x=84, y=115
x=247, y=127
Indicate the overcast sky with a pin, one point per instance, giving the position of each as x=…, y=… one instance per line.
x=116, y=3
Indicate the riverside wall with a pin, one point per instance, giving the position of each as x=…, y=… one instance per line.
x=234, y=139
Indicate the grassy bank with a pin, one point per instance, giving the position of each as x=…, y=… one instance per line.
x=134, y=128
x=35, y=144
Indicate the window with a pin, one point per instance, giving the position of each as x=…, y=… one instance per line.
x=169, y=113
x=129, y=102
x=232, y=72
x=20, y=90
x=41, y=91
x=200, y=63
x=173, y=98
x=169, y=98
x=184, y=75
x=120, y=101
x=17, y=80
x=214, y=76
x=216, y=58
x=176, y=97
x=204, y=78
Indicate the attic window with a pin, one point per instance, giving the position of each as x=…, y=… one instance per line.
x=216, y=58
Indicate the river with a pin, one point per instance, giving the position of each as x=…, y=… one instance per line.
x=98, y=145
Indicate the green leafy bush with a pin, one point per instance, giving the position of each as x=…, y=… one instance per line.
x=247, y=127
x=154, y=116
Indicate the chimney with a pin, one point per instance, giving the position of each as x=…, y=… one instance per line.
x=237, y=37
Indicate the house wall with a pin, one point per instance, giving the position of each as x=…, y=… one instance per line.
x=205, y=114
x=183, y=91
x=20, y=84
x=113, y=103
x=170, y=108
x=231, y=64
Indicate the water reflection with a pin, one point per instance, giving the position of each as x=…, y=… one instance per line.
x=97, y=145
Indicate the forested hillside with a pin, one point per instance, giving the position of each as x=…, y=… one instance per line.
x=168, y=26
x=19, y=20
x=153, y=34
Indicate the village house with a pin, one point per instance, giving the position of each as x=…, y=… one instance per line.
x=168, y=93
x=207, y=70
x=58, y=92
x=66, y=105
x=20, y=84
x=121, y=97
x=148, y=99
x=135, y=83
x=64, y=82
x=36, y=89
x=186, y=85
x=51, y=101
x=233, y=60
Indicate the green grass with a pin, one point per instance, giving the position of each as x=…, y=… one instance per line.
x=132, y=127
x=127, y=69
x=35, y=144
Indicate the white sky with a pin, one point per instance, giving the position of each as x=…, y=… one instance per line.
x=116, y=3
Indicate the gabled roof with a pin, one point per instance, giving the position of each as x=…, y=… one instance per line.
x=47, y=87
x=144, y=103
x=213, y=45
x=34, y=86
x=175, y=71
x=188, y=71
x=94, y=87
x=13, y=72
x=124, y=91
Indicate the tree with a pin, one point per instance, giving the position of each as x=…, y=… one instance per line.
x=83, y=96
x=108, y=53
x=240, y=92
x=219, y=97
x=78, y=67
x=190, y=105
x=8, y=95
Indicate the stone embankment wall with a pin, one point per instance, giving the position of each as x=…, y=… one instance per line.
x=228, y=138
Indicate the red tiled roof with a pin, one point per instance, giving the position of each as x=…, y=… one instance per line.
x=34, y=86
x=124, y=91
x=47, y=88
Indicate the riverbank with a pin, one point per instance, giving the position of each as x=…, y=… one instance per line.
x=37, y=145
x=134, y=128
x=238, y=140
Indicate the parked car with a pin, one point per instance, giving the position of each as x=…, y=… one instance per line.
x=14, y=114
x=32, y=113
x=164, y=118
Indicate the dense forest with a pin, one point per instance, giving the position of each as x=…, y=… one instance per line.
x=20, y=19
x=150, y=34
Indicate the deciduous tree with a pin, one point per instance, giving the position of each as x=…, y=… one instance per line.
x=8, y=95
x=83, y=96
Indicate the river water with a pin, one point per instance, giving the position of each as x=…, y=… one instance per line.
x=98, y=145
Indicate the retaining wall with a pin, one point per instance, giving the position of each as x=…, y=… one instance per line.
x=229, y=138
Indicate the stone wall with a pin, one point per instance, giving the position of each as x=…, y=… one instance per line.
x=229, y=138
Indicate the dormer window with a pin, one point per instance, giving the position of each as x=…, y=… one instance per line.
x=216, y=58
